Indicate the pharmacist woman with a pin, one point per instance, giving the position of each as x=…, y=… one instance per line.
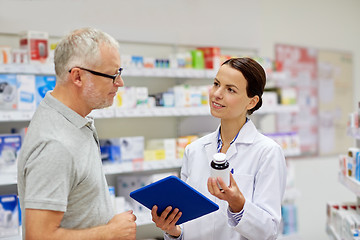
x=250, y=207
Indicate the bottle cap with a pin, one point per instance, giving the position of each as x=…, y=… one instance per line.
x=219, y=157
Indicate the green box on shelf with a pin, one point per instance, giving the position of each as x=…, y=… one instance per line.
x=198, y=61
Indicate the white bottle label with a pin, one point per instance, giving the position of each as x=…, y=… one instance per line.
x=223, y=173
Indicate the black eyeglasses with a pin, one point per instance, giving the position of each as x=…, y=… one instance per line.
x=113, y=77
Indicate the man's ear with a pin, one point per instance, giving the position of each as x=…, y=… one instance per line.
x=76, y=76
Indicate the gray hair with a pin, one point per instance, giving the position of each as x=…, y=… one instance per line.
x=79, y=48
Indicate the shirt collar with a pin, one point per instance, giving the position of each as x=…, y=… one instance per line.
x=67, y=112
x=220, y=142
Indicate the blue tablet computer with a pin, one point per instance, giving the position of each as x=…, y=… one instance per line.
x=172, y=191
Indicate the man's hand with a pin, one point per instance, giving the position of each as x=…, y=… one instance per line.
x=122, y=226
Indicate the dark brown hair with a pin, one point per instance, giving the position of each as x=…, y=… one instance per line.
x=254, y=75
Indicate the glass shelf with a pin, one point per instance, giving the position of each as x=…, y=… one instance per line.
x=350, y=183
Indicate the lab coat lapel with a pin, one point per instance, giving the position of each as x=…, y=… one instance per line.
x=231, y=151
x=246, y=135
x=211, y=145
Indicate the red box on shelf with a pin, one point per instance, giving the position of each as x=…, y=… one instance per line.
x=36, y=43
x=211, y=57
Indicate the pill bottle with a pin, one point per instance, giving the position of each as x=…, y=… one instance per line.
x=220, y=168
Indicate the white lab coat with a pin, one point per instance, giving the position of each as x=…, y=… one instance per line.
x=260, y=172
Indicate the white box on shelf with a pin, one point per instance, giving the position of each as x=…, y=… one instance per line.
x=10, y=145
x=8, y=92
x=116, y=150
x=9, y=216
x=270, y=99
x=26, y=92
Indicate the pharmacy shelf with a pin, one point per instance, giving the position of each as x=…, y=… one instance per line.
x=170, y=72
x=277, y=78
x=18, y=237
x=350, y=183
x=278, y=109
x=293, y=236
x=48, y=69
x=137, y=166
x=332, y=233
x=150, y=112
x=178, y=111
x=353, y=132
x=10, y=116
x=10, y=178
x=40, y=69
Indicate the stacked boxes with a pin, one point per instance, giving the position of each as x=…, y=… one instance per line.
x=350, y=164
x=9, y=147
x=26, y=92
x=36, y=43
x=132, y=149
x=211, y=57
x=22, y=91
x=43, y=84
x=9, y=215
x=116, y=150
x=289, y=142
x=344, y=218
x=8, y=92
x=160, y=149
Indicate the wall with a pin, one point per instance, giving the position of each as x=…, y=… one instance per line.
x=139, y=20
x=323, y=24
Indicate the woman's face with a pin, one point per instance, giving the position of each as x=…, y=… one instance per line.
x=227, y=97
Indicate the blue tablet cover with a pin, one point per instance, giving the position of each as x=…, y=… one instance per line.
x=172, y=191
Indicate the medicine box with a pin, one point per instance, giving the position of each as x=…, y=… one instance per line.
x=110, y=150
x=269, y=99
x=125, y=97
x=5, y=54
x=198, y=61
x=43, y=84
x=132, y=148
x=9, y=147
x=122, y=149
x=36, y=43
x=26, y=92
x=211, y=57
x=9, y=215
x=8, y=92
x=127, y=184
x=161, y=149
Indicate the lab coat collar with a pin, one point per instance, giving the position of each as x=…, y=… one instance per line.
x=246, y=135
